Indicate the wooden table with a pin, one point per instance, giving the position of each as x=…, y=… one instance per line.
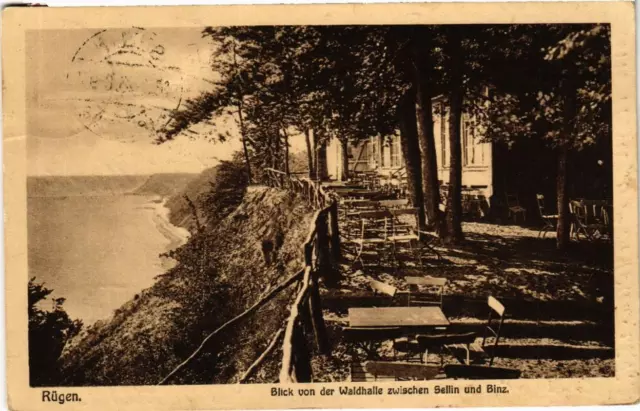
x=413, y=317
x=361, y=193
x=355, y=200
x=440, y=282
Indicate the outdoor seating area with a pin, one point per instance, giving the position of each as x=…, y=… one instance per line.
x=380, y=227
x=591, y=220
x=411, y=327
x=414, y=332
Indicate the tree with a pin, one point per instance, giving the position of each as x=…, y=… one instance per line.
x=453, y=233
x=423, y=83
x=328, y=79
x=411, y=153
x=577, y=111
x=566, y=100
x=48, y=333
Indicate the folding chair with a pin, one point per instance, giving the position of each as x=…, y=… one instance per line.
x=368, y=339
x=597, y=218
x=380, y=288
x=422, y=344
x=514, y=208
x=434, y=287
x=351, y=215
x=585, y=220
x=374, y=228
x=496, y=307
x=409, y=234
x=549, y=220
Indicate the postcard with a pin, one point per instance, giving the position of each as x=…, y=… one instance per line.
x=321, y=206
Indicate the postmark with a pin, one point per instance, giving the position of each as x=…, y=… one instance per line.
x=127, y=88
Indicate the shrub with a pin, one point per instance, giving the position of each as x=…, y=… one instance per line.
x=48, y=333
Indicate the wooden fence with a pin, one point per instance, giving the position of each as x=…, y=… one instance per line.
x=321, y=257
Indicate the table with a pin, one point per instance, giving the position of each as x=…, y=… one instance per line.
x=414, y=317
x=440, y=282
x=355, y=200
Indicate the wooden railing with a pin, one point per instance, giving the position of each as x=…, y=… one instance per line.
x=311, y=190
x=321, y=258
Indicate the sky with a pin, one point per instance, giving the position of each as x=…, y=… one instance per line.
x=95, y=100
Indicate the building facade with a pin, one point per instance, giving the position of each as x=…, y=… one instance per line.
x=384, y=154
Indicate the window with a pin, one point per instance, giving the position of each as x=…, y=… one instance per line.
x=467, y=144
x=472, y=148
x=373, y=152
x=396, y=149
x=444, y=135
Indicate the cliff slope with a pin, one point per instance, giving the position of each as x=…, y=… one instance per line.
x=220, y=272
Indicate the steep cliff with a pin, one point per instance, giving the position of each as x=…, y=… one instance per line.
x=220, y=272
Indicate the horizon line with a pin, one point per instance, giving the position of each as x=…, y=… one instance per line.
x=115, y=175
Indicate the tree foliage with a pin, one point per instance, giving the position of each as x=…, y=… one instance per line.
x=49, y=330
x=545, y=81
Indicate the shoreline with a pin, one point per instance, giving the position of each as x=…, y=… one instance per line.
x=177, y=236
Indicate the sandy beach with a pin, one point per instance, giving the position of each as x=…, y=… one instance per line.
x=177, y=236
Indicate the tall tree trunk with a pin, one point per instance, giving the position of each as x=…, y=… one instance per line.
x=241, y=124
x=564, y=217
x=411, y=153
x=244, y=142
x=322, y=172
x=562, y=179
x=453, y=217
x=286, y=151
x=424, y=114
x=309, y=152
x=276, y=139
x=344, y=145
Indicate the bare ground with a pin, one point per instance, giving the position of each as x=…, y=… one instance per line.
x=559, y=305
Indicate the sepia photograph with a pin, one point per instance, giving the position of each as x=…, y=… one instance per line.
x=321, y=203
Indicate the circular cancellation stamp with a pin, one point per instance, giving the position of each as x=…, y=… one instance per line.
x=126, y=88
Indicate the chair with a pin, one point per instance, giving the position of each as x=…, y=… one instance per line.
x=409, y=234
x=496, y=307
x=417, y=296
x=369, y=339
x=490, y=331
x=589, y=219
x=394, y=371
x=380, y=288
x=514, y=208
x=478, y=372
x=396, y=203
x=423, y=343
x=439, y=342
x=351, y=214
x=374, y=228
x=549, y=220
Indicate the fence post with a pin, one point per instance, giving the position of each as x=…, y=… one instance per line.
x=308, y=254
x=301, y=356
x=325, y=265
x=335, y=233
x=317, y=319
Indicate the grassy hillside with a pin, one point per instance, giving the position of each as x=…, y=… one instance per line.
x=194, y=189
x=220, y=272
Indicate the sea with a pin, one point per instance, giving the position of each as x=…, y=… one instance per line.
x=98, y=248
